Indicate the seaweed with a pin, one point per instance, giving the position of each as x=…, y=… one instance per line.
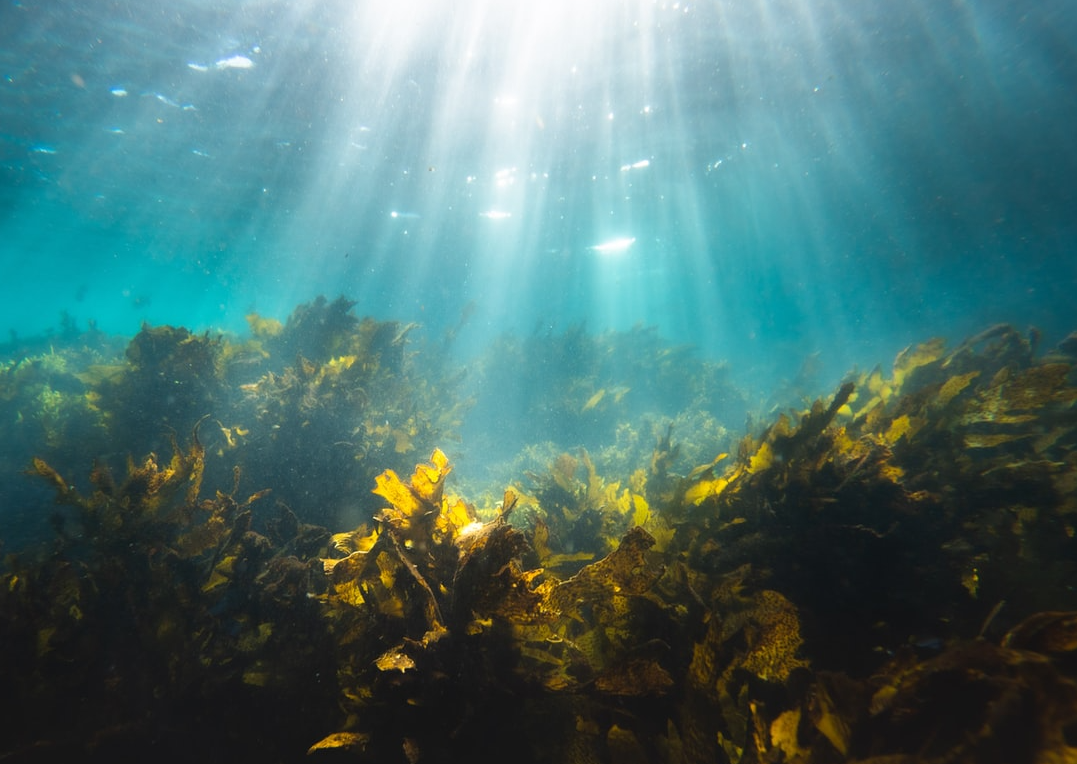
x=343, y=391
x=475, y=629
x=351, y=400
x=610, y=393
x=154, y=601
x=171, y=380
x=883, y=575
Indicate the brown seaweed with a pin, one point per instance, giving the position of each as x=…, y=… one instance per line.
x=884, y=576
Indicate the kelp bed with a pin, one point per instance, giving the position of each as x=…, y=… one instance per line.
x=887, y=576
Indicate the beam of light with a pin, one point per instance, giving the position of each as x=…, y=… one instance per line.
x=489, y=112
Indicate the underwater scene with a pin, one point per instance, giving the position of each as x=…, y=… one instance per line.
x=611, y=382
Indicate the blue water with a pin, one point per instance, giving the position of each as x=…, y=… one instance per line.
x=763, y=180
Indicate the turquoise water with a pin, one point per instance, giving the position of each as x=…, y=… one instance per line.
x=789, y=178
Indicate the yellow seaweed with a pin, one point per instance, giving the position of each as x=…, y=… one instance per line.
x=762, y=459
x=705, y=489
x=912, y=358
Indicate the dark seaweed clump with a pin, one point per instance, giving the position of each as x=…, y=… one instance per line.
x=265, y=561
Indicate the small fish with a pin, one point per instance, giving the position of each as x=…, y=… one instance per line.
x=593, y=401
x=403, y=333
x=119, y=92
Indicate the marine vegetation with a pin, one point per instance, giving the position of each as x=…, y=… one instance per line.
x=884, y=577
x=351, y=399
x=341, y=390
x=611, y=393
x=156, y=610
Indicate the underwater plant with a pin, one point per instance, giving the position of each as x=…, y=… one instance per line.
x=883, y=575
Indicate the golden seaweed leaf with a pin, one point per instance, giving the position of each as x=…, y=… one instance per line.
x=1037, y=388
x=784, y=736
x=878, y=385
x=703, y=490
x=337, y=366
x=898, y=429
x=910, y=359
x=358, y=540
x=993, y=440
x=349, y=592
x=395, y=659
x=455, y=516
x=1027, y=396
x=624, y=571
x=509, y=500
x=428, y=480
x=641, y=510
x=771, y=631
x=1047, y=632
x=352, y=742
x=661, y=531
x=489, y=582
x=762, y=459
x=401, y=497
x=350, y=568
x=440, y=461
x=556, y=562
x=954, y=387
x=387, y=569
x=221, y=574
